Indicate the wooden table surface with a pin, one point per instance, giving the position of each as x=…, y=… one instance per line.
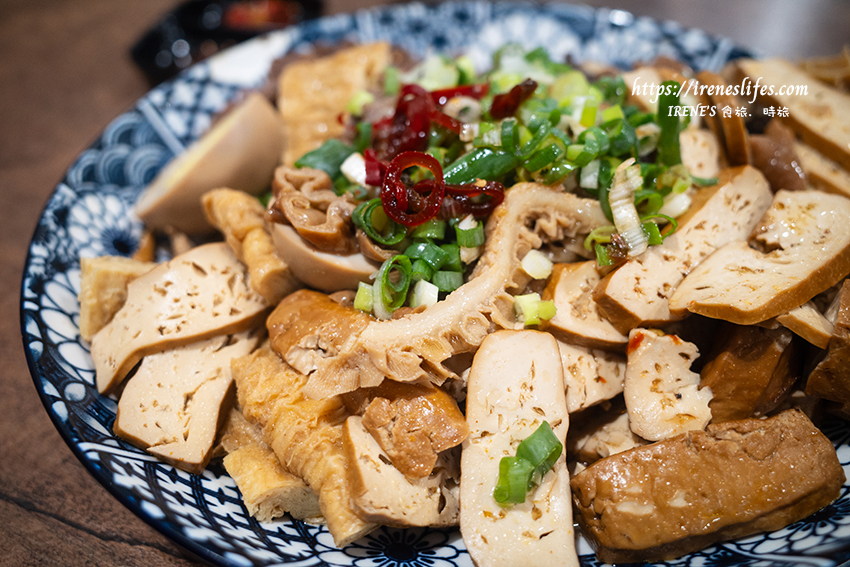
x=64, y=73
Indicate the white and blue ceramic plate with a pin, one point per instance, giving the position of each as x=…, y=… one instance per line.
x=90, y=214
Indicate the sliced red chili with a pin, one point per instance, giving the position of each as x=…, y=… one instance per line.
x=463, y=198
x=442, y=96
x=375, y=168
x=505, y=105
x=426, y=197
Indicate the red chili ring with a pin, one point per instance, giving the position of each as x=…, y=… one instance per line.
x=394, y=193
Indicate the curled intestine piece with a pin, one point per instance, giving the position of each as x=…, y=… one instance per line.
x=321, y=217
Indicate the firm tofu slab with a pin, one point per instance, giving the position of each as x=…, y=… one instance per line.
x=800, y=248
x=675, y=496
x=197, y=295
x=637, y=293
x=591, y=376
x=661, y=391
x=577, y=319
x=516, y=382
x=381, y=494
x=173, y=405
x=819, y=116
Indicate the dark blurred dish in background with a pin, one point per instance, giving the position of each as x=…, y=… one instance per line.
x=197, y=29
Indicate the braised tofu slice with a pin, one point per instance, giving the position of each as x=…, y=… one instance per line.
x=662, y=393
x=752, y=370
x=637, y=293
x=516, y=382
x=382, y=494
x=241, y=152
x=675, y=496
x=831, y=378
x=591, y=376
x=195, y=296
x=103, y=289
x=578, y=319
x=800, y=248
x=176, y=401
x=809, y=323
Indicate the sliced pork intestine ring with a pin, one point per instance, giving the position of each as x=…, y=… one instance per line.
x=414, y=347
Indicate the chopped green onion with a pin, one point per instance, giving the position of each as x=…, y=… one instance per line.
x=543, y=157
x=537, y=265
x=394, y=289
x=668, y=142
x=600, y=234
x=363, y=299
x=613, y=89
x=370, y=217
x=434, y=228
x=510, y=136
x=447, y=281
x=358, y=102
x=364, y=136
x=424, y=293
x=328, y=157
x=612, y=113
x=704, y=181
x=512, y=486
x=602, y=258
x=588, y=115
x=546, y=310
x=526, y=308
x=421, y=270
x=429, y=252
x=471, y=237
x=589, y=177
x=558, y=172
x=648, y=201
x=453, y=262
x=535, y=456
x=481, y=163
x=652, y=232
x=392, y=81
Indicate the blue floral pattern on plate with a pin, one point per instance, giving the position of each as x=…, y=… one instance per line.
x=90, y=213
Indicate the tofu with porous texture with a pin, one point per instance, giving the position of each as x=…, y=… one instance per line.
x=638, y=292
x=175, y=403
x=679, y=495
x=662, y=393
x=800, y=248
x=591, y=375
x=516, y=382
x=103, y=289
x=197, y=295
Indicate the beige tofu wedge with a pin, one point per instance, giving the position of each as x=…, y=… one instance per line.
x=819, y=115
x=821, y=172
x=103, y=289
x=637, y=293
x=380, y=493
x=807, y=322
x=800, y=248
x=516, y=382
x=590, y=375
x=662, y=394
x=240, y=152
x=578, y=320
x=195, y=296
x=175, y=403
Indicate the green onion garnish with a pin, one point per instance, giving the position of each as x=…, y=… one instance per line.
x=447, y=281
x=428, y=252
x=453, y=262
x=535, y=456
x=481, y=163
x=704, y=181
x=328, y=157
x=371, y=219
x=363, y=299
x=421, y=270
x=395, y=280
x=652, y=232
x=434, y=228
x=472, y=237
